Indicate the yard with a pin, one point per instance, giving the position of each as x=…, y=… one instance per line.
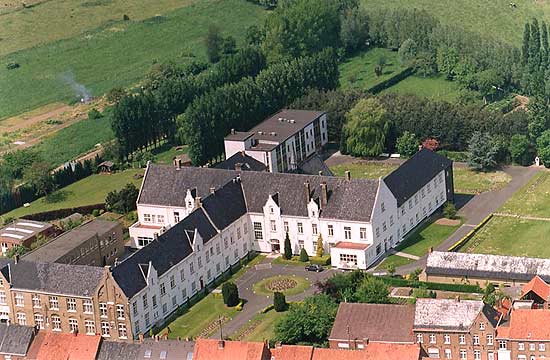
x=533, y=199
x=436, y=88
x=90, y=190
x=260, y=328
x=358, y=72
x=466, y=181
x=115, y=54
x=511, y=236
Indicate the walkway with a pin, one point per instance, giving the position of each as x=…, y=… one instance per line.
x=255, y=303
x=478, y=208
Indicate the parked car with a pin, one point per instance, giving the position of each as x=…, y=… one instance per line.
x=316, y=268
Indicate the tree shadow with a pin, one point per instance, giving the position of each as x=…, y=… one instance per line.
x=57, y=196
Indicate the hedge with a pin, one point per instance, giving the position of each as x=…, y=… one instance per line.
x=466, y=288
x=391, y=81
x=460, y=243
x=61, y=213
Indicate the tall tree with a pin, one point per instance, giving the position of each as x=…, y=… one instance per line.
x=38, y=176
x=483, y=152
x=373, y=291
x=526, y=44
x=543, y=148
x=366, y=128
x=213, y=42
x=287, y=254
x=534, y=46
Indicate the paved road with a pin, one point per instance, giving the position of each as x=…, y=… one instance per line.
x=478, y=208
x=255, y=303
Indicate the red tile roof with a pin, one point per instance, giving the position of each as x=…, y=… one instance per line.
x=292, y=352
x=53, y=346
x=210, y=349
x=537, y=286
x=351, y=245
x=528, y=324
x=373, y=351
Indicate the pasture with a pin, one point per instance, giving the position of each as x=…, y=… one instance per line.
x=436, y=88
x=116, y=54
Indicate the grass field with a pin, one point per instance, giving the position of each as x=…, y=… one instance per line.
x=533, y=199
x=78, y=138
x=260, y=328
x=370, y=170
x=358, y=71
x=394, y=260
x=490, y=18
x=90, y=190
x=512, y=236
x=53, y=20
x=432, y=87
x=117, y=54
x=200, y=316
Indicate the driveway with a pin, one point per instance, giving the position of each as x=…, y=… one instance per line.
x=478, y=208
x=255, y=303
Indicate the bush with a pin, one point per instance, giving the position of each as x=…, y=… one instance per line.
x=407, y=144
x=94, y=114
x=449, y=210
x=304, y=257
x=287, y=248
x=125, y=17
x=95, y=212
x=230, y=294
x=12, y=65
x=279, y=302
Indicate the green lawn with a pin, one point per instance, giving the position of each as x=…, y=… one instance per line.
x=395, y=260
x=358, y=71
x=61, y=19
x=490, y=18
x=166, y=153
x=260, y=328
x=302, y=284
x=369, y=170
x=200, y=316
x=430, y=235
x=468, y=181
x=432, y=87
x=295, y=260
x=116, y=54
x=533, y=199
x=74, y=140
x=512, y=236
x=91, y=190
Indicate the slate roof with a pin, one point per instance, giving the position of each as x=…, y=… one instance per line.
x=347, y=200
x=377, y=322
x=246, y=162
x=313, y=165
x=54, y=278
x=446, y=314
x=226, y=205
x=15, y=339
x=169, y=249
x=415, y=173
x=506, y=268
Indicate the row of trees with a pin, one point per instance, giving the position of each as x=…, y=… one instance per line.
x=242, y=105
x=143, y=119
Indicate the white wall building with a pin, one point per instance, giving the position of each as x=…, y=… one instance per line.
x=282, y=141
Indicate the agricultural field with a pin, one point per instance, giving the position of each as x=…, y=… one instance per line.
x=511, y=236
x=533, y=199
x=88, y=191
x=436, y=88
x=358, y=72
x=115, y=54
x=49, y=21
x=493, y=18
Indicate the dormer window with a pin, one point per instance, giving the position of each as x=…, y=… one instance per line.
x=312, y=213
x=271, y=209
x=189, y=204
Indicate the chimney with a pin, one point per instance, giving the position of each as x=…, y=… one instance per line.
x=348, y=175
x=212, y=190
x=320, y=173
x=420, y=147
x=366, y=341
x=243, y=153
x=431, y=249
x=457, y=298
x=156, y=236
x=221, y=344
x=198, y=202
x=232, y=131
x=177, y=163
x=308, y=191
x=238, y=167
x=324, y=194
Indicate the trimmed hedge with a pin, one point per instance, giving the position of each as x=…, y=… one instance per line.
x=466, y=288
x=61, y=213
x=391, y=81
x=460, y=243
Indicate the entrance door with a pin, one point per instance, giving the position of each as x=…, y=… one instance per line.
x=275, y=246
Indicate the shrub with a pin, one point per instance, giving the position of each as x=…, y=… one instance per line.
x=125, y=17
x=12, y=65
x=407, y=144
x=95, y=212
x=320, y=246
x=279, y=302
x=304, y=257
x=94, y=114
x=287, y=248
x=230, y=294
x=449, y=210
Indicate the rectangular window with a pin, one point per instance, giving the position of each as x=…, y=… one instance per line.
x=103, y=308
x=164, y=308
x=477, y=353
x=461, y=339
x=330, y=230
x=362, y=233
x=463, y=354
x=347, y=233
x=419, y=338
x=447, y=339
x=432, y=339
x=56, y=323
x=285, y=224
x=147, y=320
x=382, y=207
x=39, y=321
x=87, y=306
x=120, y=312
x=71, y=304
x=391, y=220
x=90, y=327
x=532, y=347
x=314, y=229
x=135, y=308
x=176, y=217
x=21, y=319
x=73, y=325
x=106, y=329
x=521, y=346
x=154, y=301
x=448, y=354
x=245, y=228
x=122, y=333
x=490, y=356
x=192, y=268
x=476, y=339
x=163, y=289
x=144, y=241
x=348, y=259
x=54, y=303
x=258, y=233
x=377, y=231
x=542, y=347
x=3, y=297
x=19, y=299
x=300, y=228
x=384, y=227
x=489, y=339
x=36, y=303
x=273, y=226
x=146, y=217
x=502, y=344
